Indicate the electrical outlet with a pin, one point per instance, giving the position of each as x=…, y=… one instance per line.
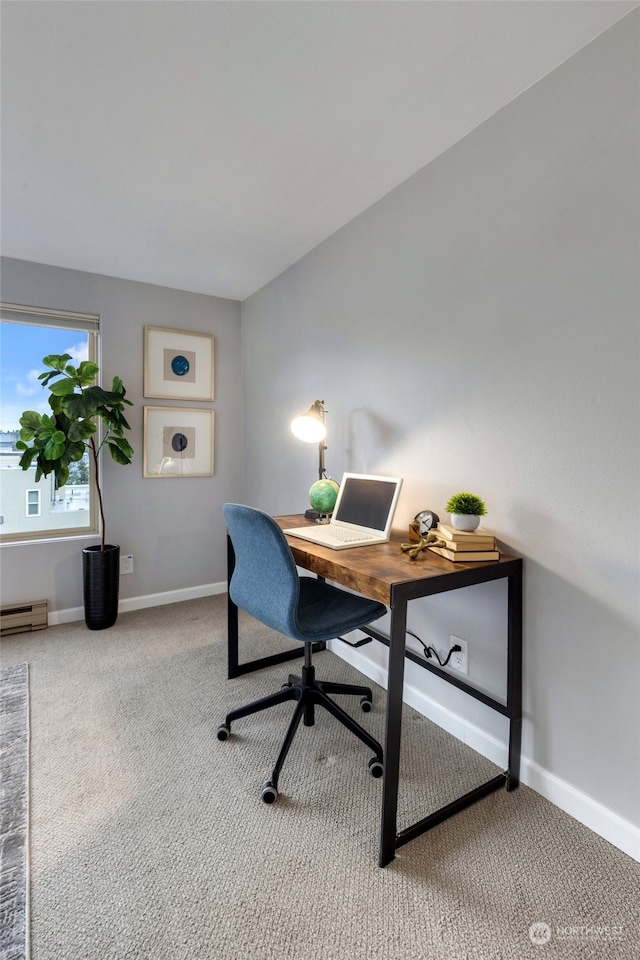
x=126, y=564
x=460, y=658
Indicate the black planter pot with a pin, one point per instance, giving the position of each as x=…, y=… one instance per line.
x=101, y=580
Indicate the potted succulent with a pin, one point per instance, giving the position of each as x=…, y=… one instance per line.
x=54, y=441
x=466, y=510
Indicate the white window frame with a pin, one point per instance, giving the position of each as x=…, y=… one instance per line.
x=29, y=503
x=63, y=319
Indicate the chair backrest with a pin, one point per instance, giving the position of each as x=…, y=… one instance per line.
x=265, y=580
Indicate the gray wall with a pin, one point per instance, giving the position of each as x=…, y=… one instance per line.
x=477, y=329
x=173, y=527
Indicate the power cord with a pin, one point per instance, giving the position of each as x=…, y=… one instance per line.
x=430, y=652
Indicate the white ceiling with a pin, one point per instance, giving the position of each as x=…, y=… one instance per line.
x=209, y=145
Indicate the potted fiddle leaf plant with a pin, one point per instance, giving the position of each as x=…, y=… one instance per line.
x=55, y=441
x=466, y=510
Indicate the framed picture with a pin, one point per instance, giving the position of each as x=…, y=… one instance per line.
x=178, y=365
x=178, y=442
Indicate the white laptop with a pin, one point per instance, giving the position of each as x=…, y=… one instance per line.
x=362, y=516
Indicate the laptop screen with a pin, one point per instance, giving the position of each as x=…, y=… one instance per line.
x=366, y=501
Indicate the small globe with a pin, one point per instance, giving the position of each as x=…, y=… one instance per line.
x=323, y=495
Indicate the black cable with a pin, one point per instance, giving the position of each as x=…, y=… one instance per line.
x=430, y=651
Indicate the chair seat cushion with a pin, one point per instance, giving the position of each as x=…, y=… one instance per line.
x=325, y=612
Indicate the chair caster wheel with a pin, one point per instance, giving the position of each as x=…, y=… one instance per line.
x=223, y=732
x=269, y=793
x=365, y=705
x=375, y=767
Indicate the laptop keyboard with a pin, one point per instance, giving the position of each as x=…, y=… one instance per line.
x=345, y=536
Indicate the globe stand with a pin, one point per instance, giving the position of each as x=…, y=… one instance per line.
x=312, y=514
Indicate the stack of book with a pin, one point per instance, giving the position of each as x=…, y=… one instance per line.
x=463, y=546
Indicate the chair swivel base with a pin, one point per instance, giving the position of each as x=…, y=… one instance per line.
x=309, y=693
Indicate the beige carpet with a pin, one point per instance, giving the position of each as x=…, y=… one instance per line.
x=14, y=812
x=149, y=839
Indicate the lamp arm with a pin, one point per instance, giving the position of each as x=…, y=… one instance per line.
x=321, y=469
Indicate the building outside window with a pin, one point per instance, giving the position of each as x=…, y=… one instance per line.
x=27, y=334
x=33, y=503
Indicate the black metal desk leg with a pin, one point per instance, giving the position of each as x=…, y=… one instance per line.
x=393, y=729
x=232, y=617
x=514, y=677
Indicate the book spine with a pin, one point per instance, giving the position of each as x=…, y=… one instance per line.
x=466, y=546
x=462, y=536
x=466, y=556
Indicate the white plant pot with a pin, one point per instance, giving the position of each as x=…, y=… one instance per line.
x=464, y=521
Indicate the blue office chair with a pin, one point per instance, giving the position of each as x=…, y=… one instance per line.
x=265, y=583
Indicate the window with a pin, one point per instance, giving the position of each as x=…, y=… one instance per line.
x=33, y=503
x=28, y=334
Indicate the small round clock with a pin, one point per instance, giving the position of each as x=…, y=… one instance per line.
x=428, y=520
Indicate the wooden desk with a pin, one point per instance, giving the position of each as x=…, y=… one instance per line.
x=382, y=572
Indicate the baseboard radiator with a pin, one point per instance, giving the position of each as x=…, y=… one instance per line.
x=23, y=617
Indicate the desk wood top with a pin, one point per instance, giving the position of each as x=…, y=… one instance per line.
x=374, y=571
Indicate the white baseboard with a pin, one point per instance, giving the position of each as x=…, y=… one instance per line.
x=140, y=603
x=606, y=823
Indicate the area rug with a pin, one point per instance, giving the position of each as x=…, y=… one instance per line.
x=14, y=812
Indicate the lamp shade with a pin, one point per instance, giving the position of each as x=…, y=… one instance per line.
x=310, y=426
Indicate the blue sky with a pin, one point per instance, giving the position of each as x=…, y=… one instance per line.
x=22, y=347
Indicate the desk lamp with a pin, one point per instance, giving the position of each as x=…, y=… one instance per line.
x=310, y=428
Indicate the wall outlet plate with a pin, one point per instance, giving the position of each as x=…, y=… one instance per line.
x=460, y=658
x=126, y=563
